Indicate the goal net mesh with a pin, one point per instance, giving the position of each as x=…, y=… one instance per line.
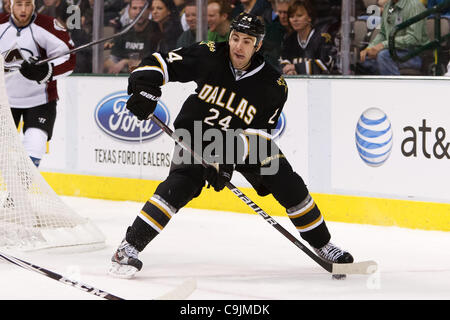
x=32, y=216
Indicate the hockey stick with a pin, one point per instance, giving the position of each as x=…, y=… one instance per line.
x=58, y=277
x=364, y=267
x=181, y=292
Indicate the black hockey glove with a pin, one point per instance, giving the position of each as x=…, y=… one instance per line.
x=143, y=101
x=218, y=175
x=41, y=73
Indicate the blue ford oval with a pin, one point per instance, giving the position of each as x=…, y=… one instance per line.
x=112, y=116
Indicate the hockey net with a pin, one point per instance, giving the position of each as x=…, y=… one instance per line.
x=32, y=216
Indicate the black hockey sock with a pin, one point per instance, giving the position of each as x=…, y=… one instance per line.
x=152, y=219
x=317, y=237
x=308, y=220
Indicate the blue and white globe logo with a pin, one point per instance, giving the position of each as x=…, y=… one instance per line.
x=374, y=137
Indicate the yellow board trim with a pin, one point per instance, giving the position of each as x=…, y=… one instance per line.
x=341, y=208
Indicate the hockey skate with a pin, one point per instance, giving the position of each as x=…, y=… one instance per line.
x=125, y=262
x=334, y=254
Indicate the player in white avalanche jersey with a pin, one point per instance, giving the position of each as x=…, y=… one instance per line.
x=27, y=37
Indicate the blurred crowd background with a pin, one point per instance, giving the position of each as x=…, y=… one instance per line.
x=302, y=36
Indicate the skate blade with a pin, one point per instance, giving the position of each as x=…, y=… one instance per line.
x=123, y=271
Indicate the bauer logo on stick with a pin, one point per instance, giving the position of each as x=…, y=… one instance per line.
x=112, y=117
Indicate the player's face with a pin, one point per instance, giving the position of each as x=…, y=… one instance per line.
x=22, y=11
x=159, y=11
x=242, y=48
x=300, y=19
x=191, y=16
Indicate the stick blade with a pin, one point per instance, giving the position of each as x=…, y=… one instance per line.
x=363, y=267
x=181, y=292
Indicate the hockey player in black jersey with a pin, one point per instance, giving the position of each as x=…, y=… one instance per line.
x=236, y=90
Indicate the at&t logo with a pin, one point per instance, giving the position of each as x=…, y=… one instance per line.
x=374, y=137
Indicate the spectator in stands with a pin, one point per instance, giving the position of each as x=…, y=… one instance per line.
x=281, y=9
x=277, y=26
x=54, y=8
x=305, y=50
x=218, y=14
x=181, y=4
x=166, y=24
x=137, y=40
x=123, y=17
x=376, y=59
x=373, y=21
x=190, y=12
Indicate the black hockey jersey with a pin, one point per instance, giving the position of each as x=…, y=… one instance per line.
x=314, y=56
x=224, y=99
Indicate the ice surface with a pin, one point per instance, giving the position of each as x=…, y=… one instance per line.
x=239, y=257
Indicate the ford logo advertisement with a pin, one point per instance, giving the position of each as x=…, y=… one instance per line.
x=112, y=116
